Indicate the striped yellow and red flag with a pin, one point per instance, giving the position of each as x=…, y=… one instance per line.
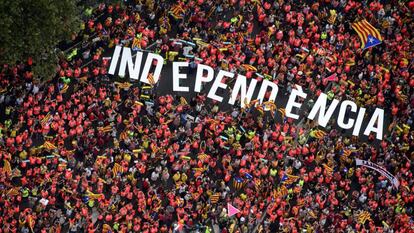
x=117, y=169
x=177, y=11
x=151, y=79
x=327, y=168
x=257, y=183
x=105, y=129
x=238, y=183
x=136, y=43
x=317, y=133
x=48, y=145
x=332, y=17
x=202, y=156
x=106, y=228
x=31, y=222
x=281, y=192
x=64, y=89
x=290, y=179
x=347, y=152
x=6, y=167
x=214, y=198
x=94, y=196
x=248, y=67
x=12, y=192
x=364, y=216
x=45, y=119
x=369, y=35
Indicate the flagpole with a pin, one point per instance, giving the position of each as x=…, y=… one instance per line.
x=256, y=227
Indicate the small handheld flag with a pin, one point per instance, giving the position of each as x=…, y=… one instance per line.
x=231, y=210
x=214, y=198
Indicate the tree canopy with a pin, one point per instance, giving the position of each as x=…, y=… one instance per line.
x=33, y=28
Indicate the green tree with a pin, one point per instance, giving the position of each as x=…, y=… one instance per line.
x=33, y=28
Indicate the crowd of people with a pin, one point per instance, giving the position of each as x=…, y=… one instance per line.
x=83, y=153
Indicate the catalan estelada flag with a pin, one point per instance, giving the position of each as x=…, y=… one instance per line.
x=368, y=34
x=238, y=183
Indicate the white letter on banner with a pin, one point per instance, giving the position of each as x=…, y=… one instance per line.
x=147, y=67
x=378, y=117
x=177, y=76
x=241, y=86
x=291, y=102
x=133, y=69
x=320, y=107
x=114, y=60
x=358, y=123
x=275, y=89
x=217, y=83
x=341, y=115
x=200, y=78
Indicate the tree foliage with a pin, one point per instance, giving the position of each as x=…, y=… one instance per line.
x=33, y=28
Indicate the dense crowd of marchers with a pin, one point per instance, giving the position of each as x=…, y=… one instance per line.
x=85, y=154
x=242, y=93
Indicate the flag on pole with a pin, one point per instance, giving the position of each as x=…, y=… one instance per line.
x=231, y=210
x=151, y=79
x=317, y=133
x=363, y=216
x=6, y=167
x=12, y=192
x=177, y=12
x=124, y=85
x=106, y=228
x=331, y=78
x=49, y=146
x=183, y=101
x=202, y=156
x=327, y=168
x=117, y=169
x=368, y=34
x=32, y=222
x=289, y=179
x=94, y=196
x=64, y=88
x=332, y=17
x=136, y=43
x=248, y=67
x=238, y=183
x=257, y=184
